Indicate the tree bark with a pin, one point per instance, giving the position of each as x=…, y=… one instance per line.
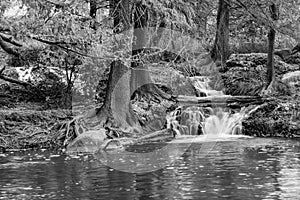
x=221, y=51
x=270, y=63
x=116, y=112
x=93, y=13
x=139, y=74
x=274, y=12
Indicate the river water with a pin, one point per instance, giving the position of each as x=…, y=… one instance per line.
x=237, y=169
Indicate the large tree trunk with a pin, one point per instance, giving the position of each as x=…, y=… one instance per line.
x=220, y=51
x=139, y=74
x=123, y=81
x=116, y=111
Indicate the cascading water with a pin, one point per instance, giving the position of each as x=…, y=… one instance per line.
x=217, y=121
x=201, y=84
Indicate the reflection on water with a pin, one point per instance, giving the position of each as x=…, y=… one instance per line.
x=242, y=169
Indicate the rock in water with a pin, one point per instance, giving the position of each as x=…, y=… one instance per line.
x=88, y=142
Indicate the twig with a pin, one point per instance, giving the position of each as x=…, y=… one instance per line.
x=2, y=70
x=59, y=44
x=10, y=40
x=34, y=134
x=25, y=84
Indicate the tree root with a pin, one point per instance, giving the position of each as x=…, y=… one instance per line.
x=268, y=90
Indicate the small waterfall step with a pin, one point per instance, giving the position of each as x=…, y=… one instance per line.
x=207, y=138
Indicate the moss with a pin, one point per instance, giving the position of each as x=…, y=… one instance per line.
x=245, y=74
x=278, y=118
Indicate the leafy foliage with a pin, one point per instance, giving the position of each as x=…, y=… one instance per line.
x=62, y=39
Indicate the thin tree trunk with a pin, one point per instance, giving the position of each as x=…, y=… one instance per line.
x=274, y=12
x=93, y=13
x=270, y=63
x=93, y=9
x=220, y=51
x=68, y=98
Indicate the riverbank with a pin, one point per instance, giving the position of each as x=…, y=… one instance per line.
x=21, y=128
x=278, y=118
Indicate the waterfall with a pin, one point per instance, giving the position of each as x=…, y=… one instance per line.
x=196, y=120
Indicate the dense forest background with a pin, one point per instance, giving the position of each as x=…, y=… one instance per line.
x=53, y=51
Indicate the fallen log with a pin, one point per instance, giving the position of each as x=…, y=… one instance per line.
x=225, y=100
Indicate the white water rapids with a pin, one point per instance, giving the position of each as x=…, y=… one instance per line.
x=217, y=121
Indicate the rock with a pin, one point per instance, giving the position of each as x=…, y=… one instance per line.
x=278, y=118
x=294, y=59
x=283, y=53
x=173, y=79
x=205, y=86
x=245, y=74
x=293, y=80
x=151, y=114
x=89, y=141
x=291, y=76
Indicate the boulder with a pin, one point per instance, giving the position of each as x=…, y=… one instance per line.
x=284, y=54
x=294, y=59
x=293, y=80
x=259, y=62
x=173, y=79
x=278, y=118
x=89, y=141
x=245, y=74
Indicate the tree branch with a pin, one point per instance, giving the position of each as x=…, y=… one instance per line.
x=51, y=42
x=25, y=84
x=8, y=49
x=10, y=40
x=265, y=22
x=4, y=29
x=59, y=44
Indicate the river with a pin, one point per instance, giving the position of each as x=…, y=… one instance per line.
x=237, y=169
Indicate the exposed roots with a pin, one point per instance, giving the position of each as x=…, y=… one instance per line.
x=31, y=129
